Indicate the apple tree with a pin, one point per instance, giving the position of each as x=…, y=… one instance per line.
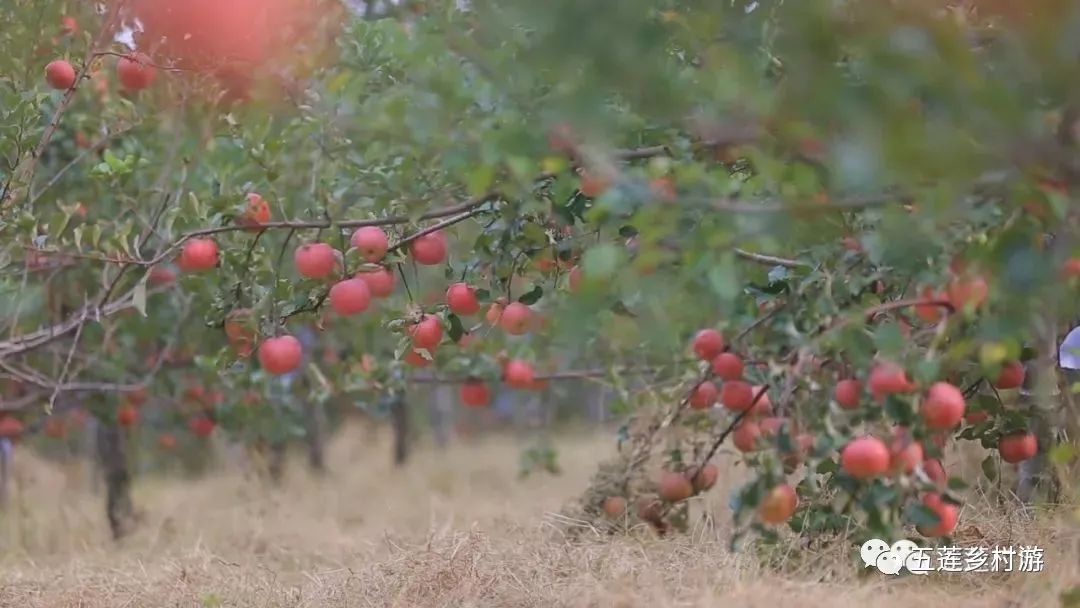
x=834, y=238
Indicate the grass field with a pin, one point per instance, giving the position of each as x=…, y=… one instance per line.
x=454, y=528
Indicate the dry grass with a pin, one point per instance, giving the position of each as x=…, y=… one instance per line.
x=455, y=528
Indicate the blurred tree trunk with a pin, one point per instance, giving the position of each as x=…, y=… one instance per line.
x=440, y=410
x=5, y=470
x=1042, y=398
x=399, y=420
x=275, y=465
x=316, y=437
x=112, y=454
x=94, y=473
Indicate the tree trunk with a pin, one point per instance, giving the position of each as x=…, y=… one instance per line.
x=399, y=414
x=440, y=410
x=93, y=473
x=276, y=463
x=5, y=470
x=316, y=437
x=112, y=454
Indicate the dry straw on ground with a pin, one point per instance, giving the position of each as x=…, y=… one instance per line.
x=455, y=528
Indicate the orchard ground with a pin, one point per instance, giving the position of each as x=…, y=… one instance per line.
x=456, y=527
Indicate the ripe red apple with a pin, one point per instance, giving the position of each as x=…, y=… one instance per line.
x=350, y=297
x=943, y=407
x=135, y=72
x=771, y=426
x=166, y=442
x=848, y=393
x=614, y=506
x=495, y=311
x=763, y=407
x=936, y=472
x=201, y=426
x=594, y=183
x=60, y=75
x=778, y=505
x=515, y=319
x=430, y=249
x=256, y=213
x=574, y=278
x=518, y=374
x=975, y=417
x=427, y=333
x=947, y=514
x=415, y=359
x=315, y=260
x=905, y=453
x=280, y=355
x=728, y=366
x=663, y=189
x=380, y=282
x=929, y=313
x=1011, y=376
x=461, y=300
x=887, y=378
x=703, y=396
x=371, y=242
x=674, y=487
x=746, y=436
x=969, y=293
x=10, y=427
x=1071, y=268
x=54, y=427
x=127, y=416
x=865, y=458
x=737, y=395
x=708, y=344
x=68, y=25
x=704, y=480
x=161, y=275
x=475, y=393
x=199, y=255
x=1018, y=447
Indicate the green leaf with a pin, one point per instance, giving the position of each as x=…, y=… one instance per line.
x=456, y=328
x=989, y=467
x=602, y=261
x=620, y=309
x=921, y=515
x=138, y=295
x=724, y=278
x=533, y=296
x=1062, y=454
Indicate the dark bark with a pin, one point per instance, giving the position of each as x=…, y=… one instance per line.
x=440, y=410
x=275, y=465
x=112, y=455
x=5, y=470
x=316, y=437
x=399, y=415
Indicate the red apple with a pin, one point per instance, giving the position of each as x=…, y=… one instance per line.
x=315, y=260
x=427, y=333
x=380, y=282
x=60, y=75
x=515, y=318
x=708, y=344
x=430, y=249
x=461, y=300
x=280, y=355
x=371, y=242
x=350, y=297
x=198, y=255
x=135, y=72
